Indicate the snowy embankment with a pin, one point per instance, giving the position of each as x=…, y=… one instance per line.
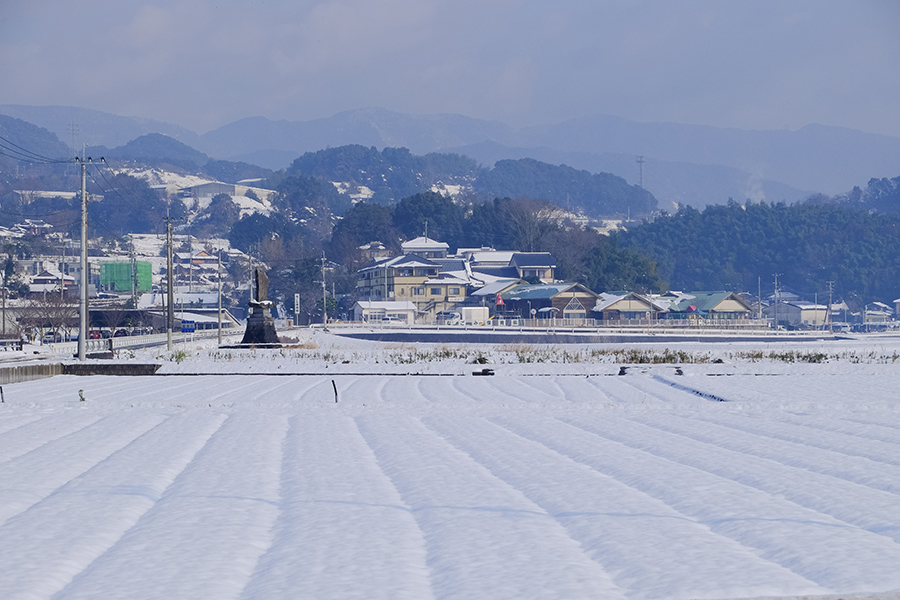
x=347, y=469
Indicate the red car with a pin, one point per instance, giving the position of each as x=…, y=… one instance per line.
x=94, y=335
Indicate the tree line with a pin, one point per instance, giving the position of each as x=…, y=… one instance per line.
x=734, y=246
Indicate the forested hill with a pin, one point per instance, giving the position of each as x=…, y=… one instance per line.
x=731, y=246
x=23, y=142
x=882, y=195
x=598, y=194
x=395, y=173
x=392, y=174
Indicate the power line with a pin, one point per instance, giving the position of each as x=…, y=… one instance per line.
x=26, y=154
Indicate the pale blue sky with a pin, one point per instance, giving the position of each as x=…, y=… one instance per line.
x=203, y=63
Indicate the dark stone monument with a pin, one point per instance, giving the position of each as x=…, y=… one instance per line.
x=260, y=325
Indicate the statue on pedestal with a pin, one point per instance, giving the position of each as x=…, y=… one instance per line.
x=260, y=325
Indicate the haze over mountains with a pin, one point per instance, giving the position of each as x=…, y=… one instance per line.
x=684, y=164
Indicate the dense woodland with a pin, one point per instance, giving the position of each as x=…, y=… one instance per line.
x=732, y=246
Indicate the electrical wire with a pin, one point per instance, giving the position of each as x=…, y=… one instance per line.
x=26, y=154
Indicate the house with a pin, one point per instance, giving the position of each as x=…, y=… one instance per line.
x=877, y=312
x=34, y=227
x=374, y=251
x=376, y=311
x=534, y=265
x=199, y=258
x=630, y=306
x=797, y=314
x=709, y=305
x=425, y=247
x=48, y=281
x=560, y=300
x=415, y=279
x=488, y=293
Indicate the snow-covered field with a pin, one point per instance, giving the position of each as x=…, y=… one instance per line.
x=239, y=475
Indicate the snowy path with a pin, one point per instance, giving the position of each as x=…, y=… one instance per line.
x=259, y=487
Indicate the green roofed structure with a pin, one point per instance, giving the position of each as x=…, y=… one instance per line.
x=116, y=276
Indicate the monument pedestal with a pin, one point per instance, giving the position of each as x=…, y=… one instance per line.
x=260, y=325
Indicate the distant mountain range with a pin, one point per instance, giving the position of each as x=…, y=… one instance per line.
x=683, y=164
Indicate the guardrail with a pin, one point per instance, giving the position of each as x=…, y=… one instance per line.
x=570, y=324
x=93, y=346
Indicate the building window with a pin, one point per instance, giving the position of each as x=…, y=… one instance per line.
x=419, y=291
x=436, y=291
x=454, y=291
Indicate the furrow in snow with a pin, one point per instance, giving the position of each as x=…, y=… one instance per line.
x=209, y=528
x=823, y=493
x=839, y=442
x=343, y=531
x=651, y=550
x=33, y=476
x=820, y=548
x=34, y=434
x=484, y=538
x=42, y=549
x=854, y=469
x=10, y=421
x=880, y=430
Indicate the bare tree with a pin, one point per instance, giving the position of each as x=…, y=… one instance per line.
x=50, y=314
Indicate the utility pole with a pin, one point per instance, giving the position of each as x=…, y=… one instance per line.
x=759, y=298
x=170, y=291
x=191, y=263
x=324, y=294
x=830, y=301
x=83, y=304
x=775, y=313
x=220, y=297
x=133, y=278
x=816, y=312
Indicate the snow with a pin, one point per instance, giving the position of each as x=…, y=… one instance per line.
x=236, y=473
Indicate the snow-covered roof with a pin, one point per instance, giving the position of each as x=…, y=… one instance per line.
x=496, y=286
x=493, y=257
x=606, y=301
x=423, y=243
x=406, y=260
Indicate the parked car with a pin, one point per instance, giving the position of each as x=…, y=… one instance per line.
x=120, y=333
x=94, y=335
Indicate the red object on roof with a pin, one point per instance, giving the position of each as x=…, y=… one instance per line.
x=691, y=308
x=500, y=301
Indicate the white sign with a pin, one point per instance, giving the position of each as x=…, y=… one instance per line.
x=296, y=303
